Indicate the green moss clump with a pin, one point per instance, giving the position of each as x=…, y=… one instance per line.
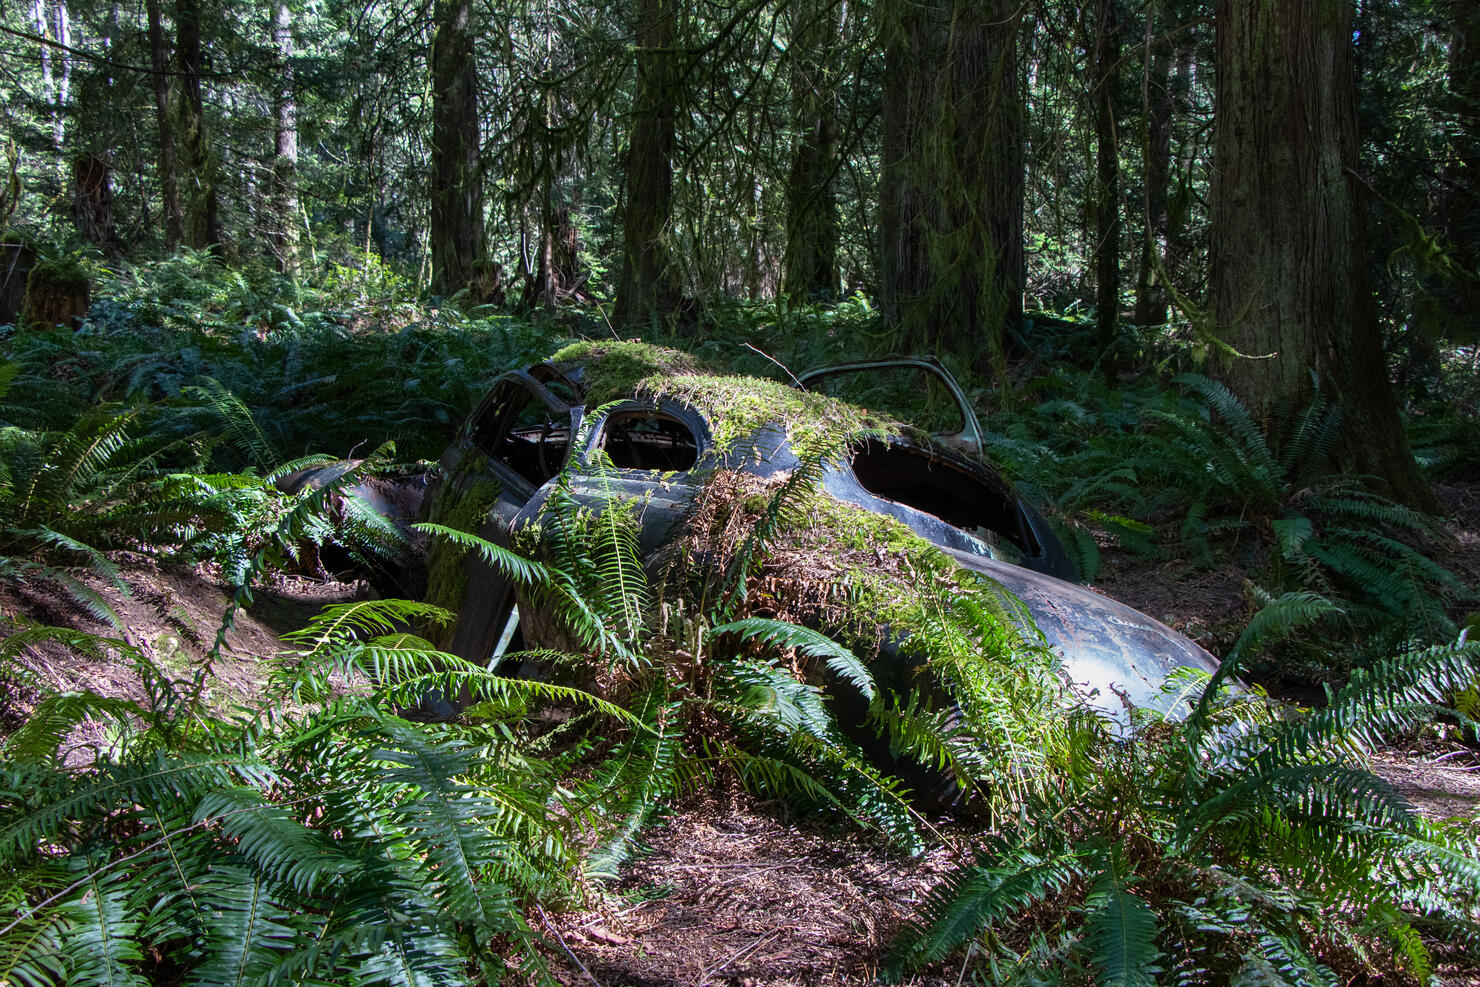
x=60, y=272
x=819, y=427
x=615, y=369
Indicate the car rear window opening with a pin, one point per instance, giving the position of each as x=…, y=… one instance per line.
x=928, y=483
x=648, y=440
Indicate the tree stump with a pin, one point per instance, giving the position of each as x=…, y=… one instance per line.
x=57, y=294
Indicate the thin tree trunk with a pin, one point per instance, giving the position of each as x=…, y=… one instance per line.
x=458, y=247
x=648, y=290
x=811, y=205
x=1105, y=59
x=285, y=162
x=199, y=163
x=1156, y=108
x=951, y=186
x=1179, y=185
x=169, y=187
x=1289, y=261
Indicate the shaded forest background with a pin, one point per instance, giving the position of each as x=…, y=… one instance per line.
x=958, y=164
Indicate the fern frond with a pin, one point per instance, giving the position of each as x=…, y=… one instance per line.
x=1120, y=929
x=805, y=641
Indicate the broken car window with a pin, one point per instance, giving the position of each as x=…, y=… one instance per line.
x=516, y=428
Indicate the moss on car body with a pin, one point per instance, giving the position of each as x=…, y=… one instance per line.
x=736, y=408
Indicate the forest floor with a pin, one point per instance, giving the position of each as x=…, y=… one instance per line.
x=726, y=891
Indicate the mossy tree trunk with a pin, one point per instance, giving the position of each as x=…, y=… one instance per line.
x=1289, y=260
x=457, y=234
x=811, y=263
x=951, y=185
x=201, y=222
x=284, y=210
x=1104, y=45
x=648, y=290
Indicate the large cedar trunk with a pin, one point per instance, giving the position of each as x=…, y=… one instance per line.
x=648, y=291
x=458, y=247
x=811, y=206
x=1289, y=262
x=201, y=226
x=951, y=187
x=169, y=182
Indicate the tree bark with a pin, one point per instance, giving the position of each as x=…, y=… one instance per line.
x=92, y=200
x=285, y=162
x=1105, y=65
x=457, y=234
x=201, y=227
x=1289, y=261
x=648, y=291
x=811, y=264
x=951, y=185
x=169, y=182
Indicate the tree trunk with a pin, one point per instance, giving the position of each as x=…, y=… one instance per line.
x=458, y=247
x=648, y=291
x=285, y=162
x=1180, y=242
x=1460, y=202
x=92, y=200
x=811, y=205
x=1156, y=107
x=169, y=182
x=1289, y=261
x=951, y=185
x=201, y=228
x=1105, y=65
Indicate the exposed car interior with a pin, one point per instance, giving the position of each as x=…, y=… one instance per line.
x=929, y=483
x=520, y=431
x=648, y=440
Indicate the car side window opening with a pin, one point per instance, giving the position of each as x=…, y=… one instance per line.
x=516, y=428
x=927, y=483
x=648, y=440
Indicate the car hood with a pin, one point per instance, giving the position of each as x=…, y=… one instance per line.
x=1114, y=653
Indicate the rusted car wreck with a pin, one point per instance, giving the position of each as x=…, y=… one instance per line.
x=630, y=423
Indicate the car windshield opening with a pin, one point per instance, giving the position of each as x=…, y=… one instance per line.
x=928, y=483
x=648, y=440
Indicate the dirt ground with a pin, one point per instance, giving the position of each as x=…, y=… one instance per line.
x=727, y=891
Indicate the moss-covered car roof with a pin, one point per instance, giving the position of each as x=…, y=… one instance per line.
x=734, y=406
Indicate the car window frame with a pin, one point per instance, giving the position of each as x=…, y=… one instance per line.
x=512, y=478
